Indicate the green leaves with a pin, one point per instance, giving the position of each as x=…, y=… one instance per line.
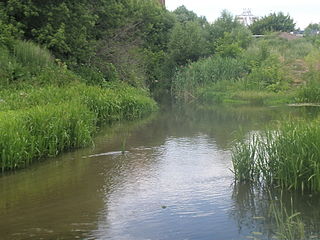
x=275, y=22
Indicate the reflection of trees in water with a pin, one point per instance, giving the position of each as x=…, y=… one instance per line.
x=222, y=122
x=252, y=209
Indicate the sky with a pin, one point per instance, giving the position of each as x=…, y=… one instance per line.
x=302, y=11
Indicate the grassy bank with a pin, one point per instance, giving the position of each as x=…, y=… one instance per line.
x=46, y=109
x=270, y=71
x=287, y=157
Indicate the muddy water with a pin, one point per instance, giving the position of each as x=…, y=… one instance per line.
x=164, y=178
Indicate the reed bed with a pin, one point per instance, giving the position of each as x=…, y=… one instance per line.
x=288, y=157
x=28, y=135
x=46, y=109
x=38, y=123
x=205, y=72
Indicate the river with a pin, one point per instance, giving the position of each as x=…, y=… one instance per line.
x=166, y=177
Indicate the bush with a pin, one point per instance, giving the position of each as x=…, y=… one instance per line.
x=269, y=75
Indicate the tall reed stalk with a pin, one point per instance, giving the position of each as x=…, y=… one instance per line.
x=288, y=157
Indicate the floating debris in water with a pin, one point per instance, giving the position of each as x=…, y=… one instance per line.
x=108, y=154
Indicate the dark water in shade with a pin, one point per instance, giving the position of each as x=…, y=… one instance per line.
x=173, y=182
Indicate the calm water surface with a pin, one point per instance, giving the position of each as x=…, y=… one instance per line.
x=173, y=182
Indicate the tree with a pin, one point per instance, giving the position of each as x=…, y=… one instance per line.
x=225, y=23
x=312, y=29
x=7, y=31
x=228, y=37
x=187, y=43
x=183, y=15
x=275, y=22
x=64, y=27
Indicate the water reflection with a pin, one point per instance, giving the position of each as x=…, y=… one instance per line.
x=166, y=177
x=176, y=194
x=254, y=208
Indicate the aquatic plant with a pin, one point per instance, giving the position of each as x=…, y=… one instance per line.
x=41, y=122
x=288, y=226
x=205, y=72
x=287, y=157
x=42, y=131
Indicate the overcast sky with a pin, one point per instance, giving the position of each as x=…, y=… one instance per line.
x=302, y=11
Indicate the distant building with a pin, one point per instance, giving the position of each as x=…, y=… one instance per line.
x=246, y=18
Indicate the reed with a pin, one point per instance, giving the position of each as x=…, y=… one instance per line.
x=32, y=55
x=38, y=132
x=205, y=72
x=46, y=109
x=39, y=122
x=288, y=225
x=287, y=157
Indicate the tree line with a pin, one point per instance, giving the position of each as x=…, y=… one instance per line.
x=135, y=41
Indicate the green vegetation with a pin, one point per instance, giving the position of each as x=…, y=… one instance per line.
x=274, y=22
x=272, y=70
x=46, y=109
x=289, y=226
x=46, y=121
x=287, y=157
x=106, y=56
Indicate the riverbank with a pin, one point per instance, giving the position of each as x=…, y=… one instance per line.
x=46, y=109
x=271, y=71
x=44, y=122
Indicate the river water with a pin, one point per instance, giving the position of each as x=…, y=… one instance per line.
x=167, y=177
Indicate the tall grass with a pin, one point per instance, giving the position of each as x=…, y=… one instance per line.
x=28, y=64
x=45, y=109
x=44, y=122
x=28, y=135
x=109, y=104
x=206, y=72
x=289, y=225
x=270, y=65
x=32, y=55
x=288, y=157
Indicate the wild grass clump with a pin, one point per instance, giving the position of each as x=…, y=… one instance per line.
x=109, y=104
x=206, y=72
x=29, y=64
x=287, y=157
x=42, y=122
x=32, y=55
x=309, y=93
x=264, y=72
x=28, y=135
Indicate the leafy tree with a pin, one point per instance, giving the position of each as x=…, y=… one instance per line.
x=187, y=43
x=65, y=27
x=7, y=31
x=275, y=22
x=312, y=29
x=228, y=37
x=225, y=23
x=184, y=15
x=137, y=46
